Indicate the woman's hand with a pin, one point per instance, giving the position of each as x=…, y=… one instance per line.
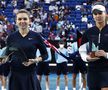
x=92, y=57
x=4, y=59
x=32, y=61
x=100, y=53
x=29, y=62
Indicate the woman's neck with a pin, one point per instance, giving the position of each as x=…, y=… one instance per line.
x=24, y=32
x=100, y=25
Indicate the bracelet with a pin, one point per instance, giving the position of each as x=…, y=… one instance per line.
x=35, y=60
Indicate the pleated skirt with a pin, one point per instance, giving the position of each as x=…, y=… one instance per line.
x=97, y=79
x=23, y=81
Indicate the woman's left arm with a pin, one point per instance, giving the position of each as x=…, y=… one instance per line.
x=43, y=53
x=42, y=49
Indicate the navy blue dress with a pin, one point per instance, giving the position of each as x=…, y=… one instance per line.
x=97, y=76
x=23, y=77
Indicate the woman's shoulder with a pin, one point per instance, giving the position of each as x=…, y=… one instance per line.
x=13, y=34
x=90, y=30
x=34, y=33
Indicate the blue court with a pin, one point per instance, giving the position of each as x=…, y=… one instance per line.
x=52, y=78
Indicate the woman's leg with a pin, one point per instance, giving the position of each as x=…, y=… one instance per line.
x=47, y=82
x=66, y=80
x=84, y=80
x=74, y=80
x=39, y=77
x=58, y=82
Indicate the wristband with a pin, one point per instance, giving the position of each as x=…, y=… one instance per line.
x=107, y=55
